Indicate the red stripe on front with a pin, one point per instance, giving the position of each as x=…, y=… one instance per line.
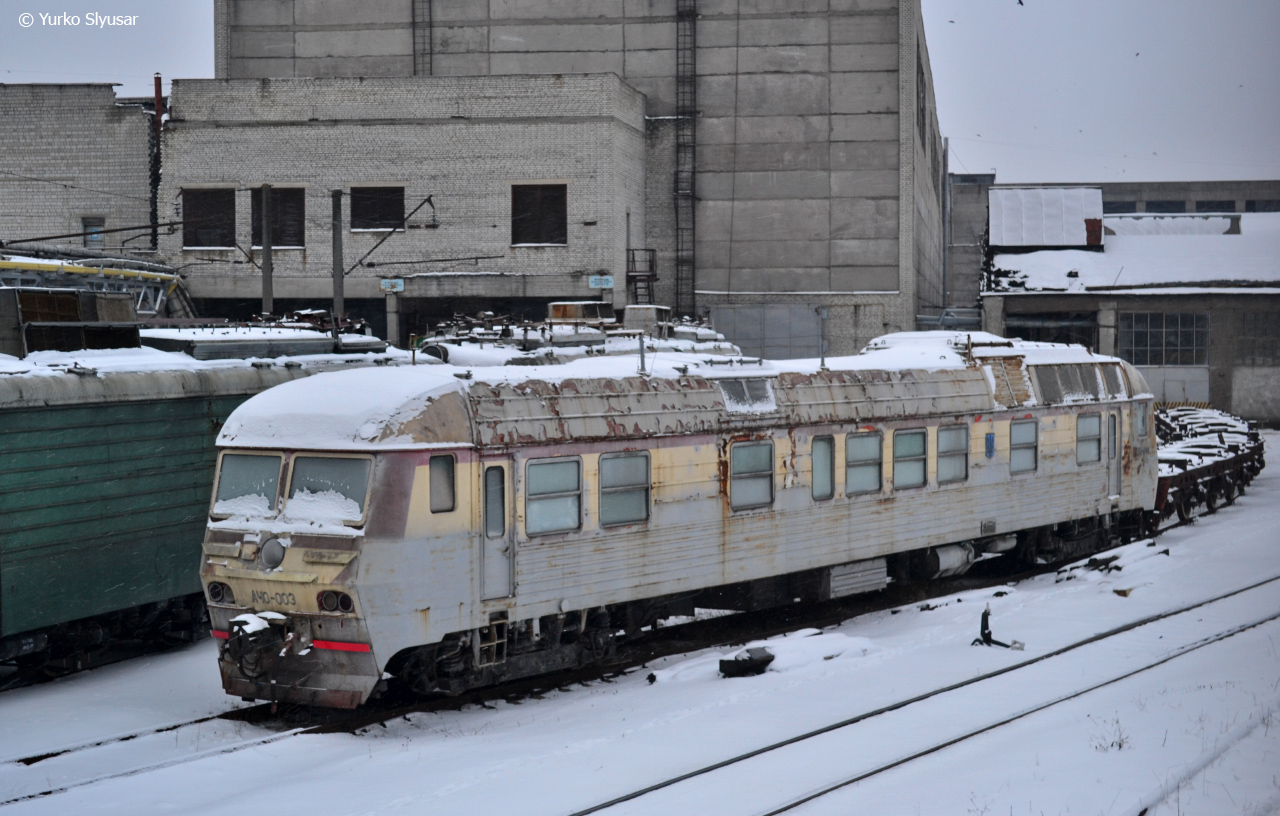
x=339, y=646
x=219, y=635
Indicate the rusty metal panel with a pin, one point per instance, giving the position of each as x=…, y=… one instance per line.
x=1012, y=383
x=854, y=396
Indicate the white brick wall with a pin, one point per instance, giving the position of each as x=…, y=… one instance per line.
x=461, y=140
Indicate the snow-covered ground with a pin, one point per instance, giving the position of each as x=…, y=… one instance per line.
x=1197, y=734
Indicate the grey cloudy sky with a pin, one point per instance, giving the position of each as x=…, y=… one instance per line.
x=1085, y=90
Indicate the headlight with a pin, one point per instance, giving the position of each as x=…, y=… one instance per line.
x=331, y=601
x=272, y=554
x=220, y=593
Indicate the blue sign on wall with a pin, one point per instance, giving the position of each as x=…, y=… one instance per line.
x=600, y=281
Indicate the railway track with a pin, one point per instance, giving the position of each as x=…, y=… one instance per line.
x=189, y=741
x=777, y=750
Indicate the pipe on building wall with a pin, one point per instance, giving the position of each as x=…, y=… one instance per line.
x=155, y=166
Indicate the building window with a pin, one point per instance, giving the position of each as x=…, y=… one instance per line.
x=1215, y=206
x=495, y=502
x=209, y=219
x=910, y=449
x=1119, y=207
x=624, y=488
x=1164, y=339
x=442, y=492
x=92, y=229
x=1166, y=206
x=1080, y=328
x=824, y=467
x=553, y=496
x=539, y=215
x=1258, y=343
x=1022, y=445
x=288, y=217
x=377, y=208
x=953, y=454
x=1088, y=438
x=1263, y=205
x=751, y=475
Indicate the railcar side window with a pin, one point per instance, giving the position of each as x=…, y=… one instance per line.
x=1142, y=417
x=495, y=503
x=953, y=454
x=247, y=484
x=751, y=475
x=1022, y=445
x=824, y=466
x=328, y=488
x=1088, y=438
x=910, y=449
x=624, y=488
x=442, y=493
x=863, y=455
x=553, y=496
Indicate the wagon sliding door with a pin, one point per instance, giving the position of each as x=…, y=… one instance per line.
x=497, y=537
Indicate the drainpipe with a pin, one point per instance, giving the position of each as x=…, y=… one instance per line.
x=268, y=294
x=155, y=168
x=338, y=306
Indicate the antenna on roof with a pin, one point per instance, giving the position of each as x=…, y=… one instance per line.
x=641, y=352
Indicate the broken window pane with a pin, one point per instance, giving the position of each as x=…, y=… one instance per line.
x=539, y=214
x=377, y=208
x=209, y=218
x=288, y=216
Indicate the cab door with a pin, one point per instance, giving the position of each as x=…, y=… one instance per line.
x=1114, y=459
x=497, y=538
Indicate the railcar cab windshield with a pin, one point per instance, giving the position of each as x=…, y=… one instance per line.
x=332, y=488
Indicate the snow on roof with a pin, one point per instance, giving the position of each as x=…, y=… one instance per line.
x=1042, y=216
x=98, y=362
x=1146, y=224
x=1146, y=262
x=353, y=409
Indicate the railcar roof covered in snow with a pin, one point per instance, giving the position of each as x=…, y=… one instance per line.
x=907, y=374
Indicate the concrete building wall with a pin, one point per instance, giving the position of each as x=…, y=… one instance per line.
x=968, y=238
x=69, y=152
x=807, y=136
x=462, y=140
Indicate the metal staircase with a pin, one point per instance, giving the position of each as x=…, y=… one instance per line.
x=642, y=273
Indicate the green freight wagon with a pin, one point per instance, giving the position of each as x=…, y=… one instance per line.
x=104, y=493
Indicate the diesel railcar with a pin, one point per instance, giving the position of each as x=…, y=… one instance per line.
x=451, y=527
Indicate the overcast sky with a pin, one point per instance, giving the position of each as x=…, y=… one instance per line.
x=1085, y=90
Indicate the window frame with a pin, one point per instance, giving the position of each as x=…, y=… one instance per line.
x=757, y=474
x=277, y=502
x=255, y=217
x=830, y=440
x=453, y=482
x=1096, y=439
x=95, y=233
x=368, y=488
x=1142, y=417
x=227, y=225
x=940, y=454
x=1034, y=446
x=878, y=462
x=923, y=457
x=362, y=190
x=535, y=497
x=516, y=230
x=602, y=491
x=502, y=500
